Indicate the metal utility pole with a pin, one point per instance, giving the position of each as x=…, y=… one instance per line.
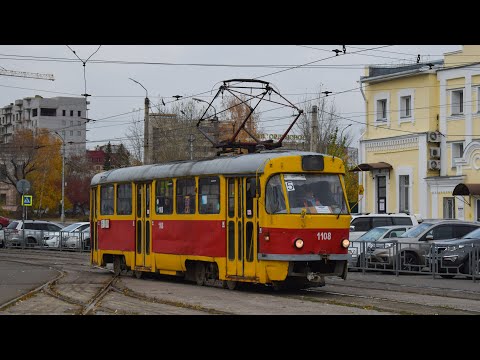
x=191, y=140
x=62, y=215
x=5, y=72
x=146, y=126
x=314, y=129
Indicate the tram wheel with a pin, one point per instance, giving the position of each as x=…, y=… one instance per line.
x=117, y=265
x=230, y=284
x=278, y=285
x=138, y=274
x=200, y=273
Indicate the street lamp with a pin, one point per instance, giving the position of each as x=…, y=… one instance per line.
x=201, y=100
x=146, y=154
x=341, y=134
x=62, y=215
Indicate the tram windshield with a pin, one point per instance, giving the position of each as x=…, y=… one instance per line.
x=317, y=193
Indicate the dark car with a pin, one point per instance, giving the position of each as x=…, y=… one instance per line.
x=4, y=222
x=414, y=245
x=457, y=254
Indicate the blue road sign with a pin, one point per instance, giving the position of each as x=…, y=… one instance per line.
x=27, y=200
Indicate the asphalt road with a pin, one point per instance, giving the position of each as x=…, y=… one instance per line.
x=83, y=289
x=19, y=278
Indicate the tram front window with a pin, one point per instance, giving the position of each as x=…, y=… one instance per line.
x=317, y=193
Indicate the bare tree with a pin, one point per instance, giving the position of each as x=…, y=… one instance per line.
x=17, y=158
x=134, y=134
x=329, y=123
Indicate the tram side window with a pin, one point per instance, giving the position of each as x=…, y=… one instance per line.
x=186, y=196
x=274, y=198
x=124, y=199
x=209, y=195
x=106, y=200
x=164, y=197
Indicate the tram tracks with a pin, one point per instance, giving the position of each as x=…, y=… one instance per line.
x=98, y=302
x=390, y=301
x=83, y=289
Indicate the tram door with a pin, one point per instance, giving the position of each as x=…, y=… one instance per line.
x=143, y=229
x=93, y=227
x=241, y=225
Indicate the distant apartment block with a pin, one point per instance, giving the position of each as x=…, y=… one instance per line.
x=65, y=115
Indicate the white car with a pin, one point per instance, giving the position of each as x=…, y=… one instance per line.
x=359, y=246
x=362, y=223
x=54, y=242
x=79, y=240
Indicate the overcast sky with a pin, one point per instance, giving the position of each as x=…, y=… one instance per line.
x=112, y=93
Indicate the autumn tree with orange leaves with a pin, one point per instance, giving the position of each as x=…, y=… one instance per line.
x=36, y=158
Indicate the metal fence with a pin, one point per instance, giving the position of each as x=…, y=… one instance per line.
x=416, y=258
x=46, y=240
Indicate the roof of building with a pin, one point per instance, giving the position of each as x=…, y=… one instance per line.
x=382, y=72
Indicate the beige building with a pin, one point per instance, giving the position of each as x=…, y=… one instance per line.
x=420, y=152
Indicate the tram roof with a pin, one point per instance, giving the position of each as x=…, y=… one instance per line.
x=227, y=165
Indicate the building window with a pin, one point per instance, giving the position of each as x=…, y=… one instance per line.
x=164, y=197
x=79, y=113
x=79, y=122
x=405, y=106
x=457, y=150
x=34, y=112
x=403, y=193
x=48, y=112
x=478, y=100
x=124, y=199
x=71, y=112
x=449, y=208
x=382, y=110
x=457, y=102
x=71, y=132
x=71, y=122
x=63, y=133
x=79, y=133
x=3, y=199
x=64, y=112
x=478, y=210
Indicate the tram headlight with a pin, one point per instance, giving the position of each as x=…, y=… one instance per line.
x=298, y=243
x=345, y=243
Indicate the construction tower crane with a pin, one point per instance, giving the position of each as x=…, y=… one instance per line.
x=24, y=74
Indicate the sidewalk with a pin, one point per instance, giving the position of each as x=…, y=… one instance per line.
x=420, y=281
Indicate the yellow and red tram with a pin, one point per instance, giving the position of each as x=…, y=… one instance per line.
x=233, y=219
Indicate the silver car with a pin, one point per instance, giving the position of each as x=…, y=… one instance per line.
x=70, y=230
x=30, y=232
x=412, y=247
x=358, y=247
x=79, y=240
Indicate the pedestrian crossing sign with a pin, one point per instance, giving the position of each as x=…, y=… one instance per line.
x=26, y=200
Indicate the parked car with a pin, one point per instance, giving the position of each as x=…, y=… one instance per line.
x=79, y=240
x=414, y=244
x=65, y=233
x=2, y=238
x=34, y=232
x=4, y=222
x=358, y=247
x=362, y=223
x=456, y=254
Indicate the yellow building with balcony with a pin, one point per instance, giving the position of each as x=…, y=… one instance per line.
x=420, y=152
